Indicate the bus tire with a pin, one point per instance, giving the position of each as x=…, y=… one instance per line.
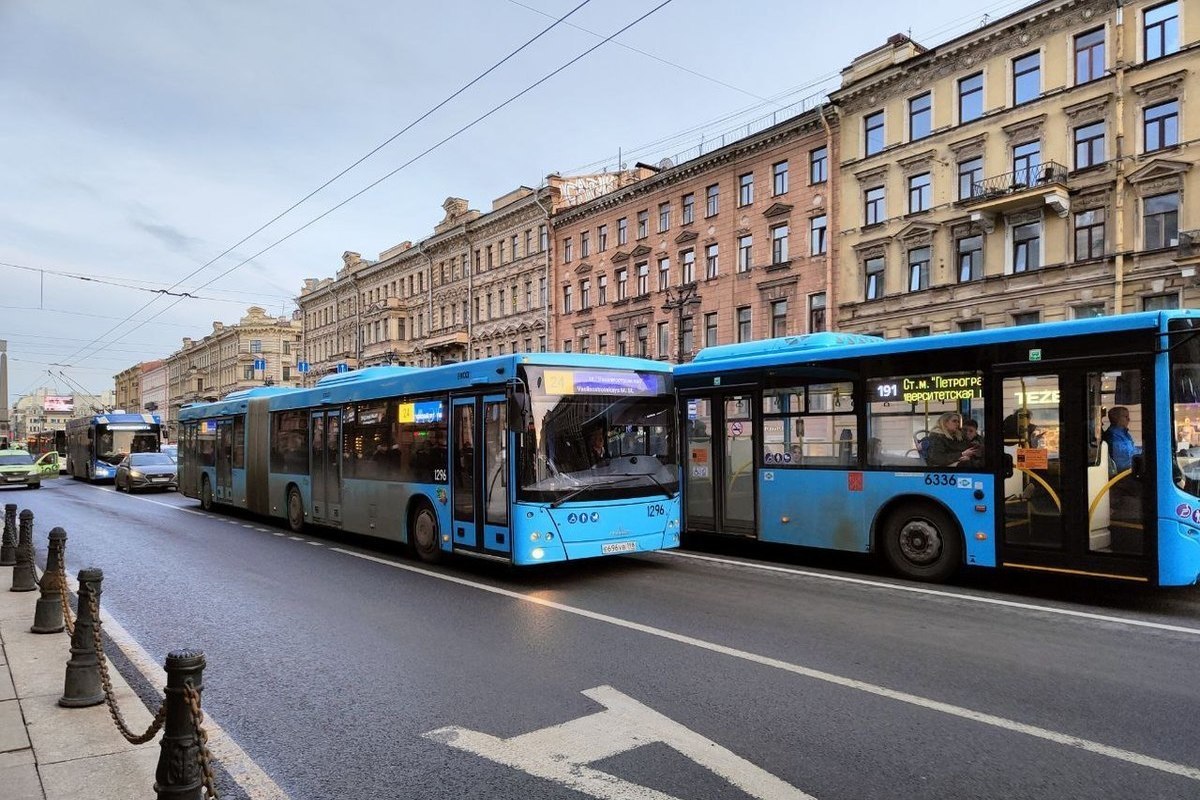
x=295, y=509
x=206, y=495
x=423, y=533
x=922, y=542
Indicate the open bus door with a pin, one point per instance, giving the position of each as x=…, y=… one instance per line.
x=1070, y=503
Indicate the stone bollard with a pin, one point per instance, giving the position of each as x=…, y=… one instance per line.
x=48, y=618
x=8, y=546
x=82, y=686
x=179, y=776
x=24, y=577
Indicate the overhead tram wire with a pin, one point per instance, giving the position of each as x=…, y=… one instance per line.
x=324, y=185
x=414, y=159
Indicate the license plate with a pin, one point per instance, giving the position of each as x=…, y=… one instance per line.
x=160, y=480
x=618, y=547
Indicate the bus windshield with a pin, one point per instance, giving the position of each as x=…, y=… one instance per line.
x=1185, y=404
x=115, y=443
x=596, y=435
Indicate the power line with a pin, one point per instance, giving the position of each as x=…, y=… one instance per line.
x=302, y=200
x=84, y=314
x=414, y=159
x=268, y=299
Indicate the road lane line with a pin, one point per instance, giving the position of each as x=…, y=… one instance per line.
x=236, y=761
x=994, y=601
x=158, y=503
x=1098, y=748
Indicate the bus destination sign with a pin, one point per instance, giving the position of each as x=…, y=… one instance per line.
x=578, y=381
x=927, y=388
x=426, y=413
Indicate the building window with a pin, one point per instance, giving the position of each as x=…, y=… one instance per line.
x=1027, y=158
x=585, y=295
x=622, y=231
x=1089, y=234
x=585, y=344
x=816, y=312
x=779, y=244
x=622, y=342
x=248, y=373
x=689, y=335
x=920, y=116
x=710, y=330
x=256, y=345
x=779, y=178
x=1088, y=311
x=712, y=200
x=873, y=278
x=970, y=97
x=602, y=290
x=490, y=258
x=920, y=193
x=622, y=284
x=966, y=325
x=970, y=258
x=1027, y=318
x=643, y=278
x=1160, y=221
x=568, y=252
x=818, y=165
x=745, y=189
x=602, y=238
x=528, y=252
x=664, y=340
x=1089, y=145
x=743, y=324
x=816, y=236
x=1089, y=56
x=873, y=133
x=602, y=343
x=1161, y=126
x=642, y=333
x=873, y=206
x=664, y=274
x=664, y=217
x=541, y=292
x=745, y=246
x=688, y=258
x=970, y=174
x=779, y=312
x=918, y=269
x=1027, y=245
x=643, y=224
x=710, y=261
x=918, y=331
x=1160, y=302
x=1027, y=78
x=566, y=347
x=689, y=208
x=585, y=243
x=542, y=344
x=1161, y=25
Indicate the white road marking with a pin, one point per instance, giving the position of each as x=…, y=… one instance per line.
x=563, y=753
x=278, y=533
x=296, y=538
x=247, y=525
x=1098, y=748
x=263, y=530
x=247, y=774
x=898, y=587
x=316, y=544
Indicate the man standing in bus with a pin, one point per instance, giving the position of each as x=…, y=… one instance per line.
x=1121, y=448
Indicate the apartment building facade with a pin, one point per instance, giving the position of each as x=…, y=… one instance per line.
x=729, y=246
x=1036, y=169
x=132, y=385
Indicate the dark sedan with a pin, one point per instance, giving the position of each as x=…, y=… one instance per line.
x=146, y=471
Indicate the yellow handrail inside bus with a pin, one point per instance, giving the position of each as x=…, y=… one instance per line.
x=1049, y=489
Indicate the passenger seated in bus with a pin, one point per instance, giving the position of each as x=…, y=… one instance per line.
x=946, y=445
x=597, y=448
x=973, y=439
x=1121, y=447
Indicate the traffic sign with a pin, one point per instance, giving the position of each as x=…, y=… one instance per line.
x=341, y=367
x=260, y=363
x=302, y=366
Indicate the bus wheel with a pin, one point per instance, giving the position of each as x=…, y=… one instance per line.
x=423, y=534
x=206, y=498
x=295, y=510
x=921, y=542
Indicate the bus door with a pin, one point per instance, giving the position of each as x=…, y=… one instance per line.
x=481, y=475
x=326, y=467
x=719, y=462
x=1074, y=502
x=224, y=488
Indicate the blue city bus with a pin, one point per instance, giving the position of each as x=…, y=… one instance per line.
x=524, y=459
x=850, y=442
x=96, y=444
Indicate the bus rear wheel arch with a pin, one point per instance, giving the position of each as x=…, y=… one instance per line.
x=295, y=509
x=921, y=541
x=423, y=535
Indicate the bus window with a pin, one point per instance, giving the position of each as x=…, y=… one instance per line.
x=289, y=442
x=811, y=426
x=904, y=410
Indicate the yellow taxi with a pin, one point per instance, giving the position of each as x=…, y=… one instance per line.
x=18, y=468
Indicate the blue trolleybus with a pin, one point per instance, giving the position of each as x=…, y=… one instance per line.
x=524, y=459
x=1088, y=459
x=95, y=445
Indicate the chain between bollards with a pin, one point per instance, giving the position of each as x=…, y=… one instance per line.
x=8, y=545
x=106, y=684
x=68, y=617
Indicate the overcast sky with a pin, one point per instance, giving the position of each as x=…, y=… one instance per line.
x=139, y=141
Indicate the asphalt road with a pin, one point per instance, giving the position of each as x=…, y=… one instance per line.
x=343, y=669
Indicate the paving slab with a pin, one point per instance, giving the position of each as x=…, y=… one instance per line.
x=22, y=782
x=123, y=776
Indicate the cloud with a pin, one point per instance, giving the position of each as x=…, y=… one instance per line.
x=174, y=239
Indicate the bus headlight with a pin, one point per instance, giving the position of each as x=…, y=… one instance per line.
x=533, y=537
x=537, y=553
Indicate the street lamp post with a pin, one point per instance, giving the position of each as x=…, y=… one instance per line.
x=678, y=299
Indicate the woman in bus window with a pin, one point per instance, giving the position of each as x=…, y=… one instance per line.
x=947, y=448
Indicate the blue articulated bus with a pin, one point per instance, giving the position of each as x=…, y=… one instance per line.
x=524, y=459
x=96, y=444
x=1086, y=461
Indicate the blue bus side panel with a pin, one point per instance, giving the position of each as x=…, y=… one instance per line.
x=379, y=508
x=836, y=509
x=1178, y=538
x=277, y=485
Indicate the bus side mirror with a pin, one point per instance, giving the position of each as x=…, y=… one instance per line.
x=1138, y=465
x=1008, y=465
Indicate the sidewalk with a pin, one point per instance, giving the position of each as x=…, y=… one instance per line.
x=53, y=753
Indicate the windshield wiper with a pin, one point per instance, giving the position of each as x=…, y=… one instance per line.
x=576, y=492
x=662, y=486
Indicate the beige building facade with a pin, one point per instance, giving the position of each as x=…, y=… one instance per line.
x=224, y=361
x=48, y=409
x=730, y=246
x=131, y=386
x=1036, y=169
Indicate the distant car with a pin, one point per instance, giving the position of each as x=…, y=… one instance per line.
x=17, y=468
x=172, y=450
x=146, y=471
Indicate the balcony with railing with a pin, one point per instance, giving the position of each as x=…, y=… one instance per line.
x=1042, y=184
